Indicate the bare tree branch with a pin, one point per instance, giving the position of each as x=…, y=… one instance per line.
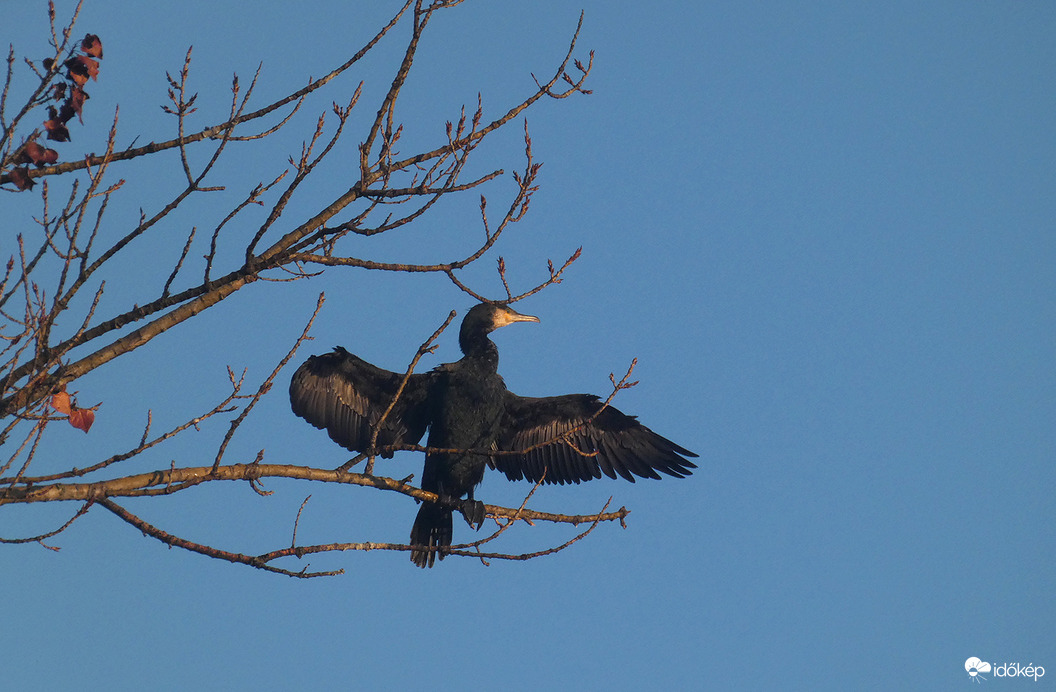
x=56, y=326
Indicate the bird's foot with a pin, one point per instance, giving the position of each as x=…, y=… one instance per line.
x=474, y=512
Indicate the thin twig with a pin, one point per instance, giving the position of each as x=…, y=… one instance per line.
x=426, y=347
x=265, y=386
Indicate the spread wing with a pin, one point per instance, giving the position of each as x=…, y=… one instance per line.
x=608, y=442
x=346, y=395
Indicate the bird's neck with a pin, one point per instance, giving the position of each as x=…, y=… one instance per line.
x=479, y=347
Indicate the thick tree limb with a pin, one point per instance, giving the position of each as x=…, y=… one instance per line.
x=169, y=481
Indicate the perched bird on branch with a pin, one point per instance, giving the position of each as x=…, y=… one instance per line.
x=473, y=422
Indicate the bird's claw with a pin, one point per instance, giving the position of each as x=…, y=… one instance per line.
x=474, y=512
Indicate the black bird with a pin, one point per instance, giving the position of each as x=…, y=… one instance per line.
x=466, y=406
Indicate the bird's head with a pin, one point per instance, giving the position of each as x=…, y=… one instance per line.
x=487, y=317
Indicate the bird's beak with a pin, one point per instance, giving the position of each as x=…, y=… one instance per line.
x=513, y=316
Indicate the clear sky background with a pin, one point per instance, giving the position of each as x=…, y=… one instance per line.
x=827, y=233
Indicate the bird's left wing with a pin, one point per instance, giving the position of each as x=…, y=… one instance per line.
x=346, y=396
x=572, y=438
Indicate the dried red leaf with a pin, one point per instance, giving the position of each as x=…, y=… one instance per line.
x=37, y=155
x=74, y=64
x=66, y=112
x=76, y=101
x=57, y=130
x=78, y=78
x=82, y=418
x=32, y=152
x=60, y=401
x=20, y=178
x=58, y=91
x=92, y=46
x=92, y=65
x=81, y=67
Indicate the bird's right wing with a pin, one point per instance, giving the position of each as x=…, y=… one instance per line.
x=346, y=396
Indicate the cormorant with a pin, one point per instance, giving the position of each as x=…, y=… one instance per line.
x=466, y=406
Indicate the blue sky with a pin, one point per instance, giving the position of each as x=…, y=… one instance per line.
x=827, y=234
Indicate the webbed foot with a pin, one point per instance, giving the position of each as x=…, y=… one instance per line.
x=474, y=512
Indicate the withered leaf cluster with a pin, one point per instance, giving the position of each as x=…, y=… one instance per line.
x=68, y=99
x=80, y=418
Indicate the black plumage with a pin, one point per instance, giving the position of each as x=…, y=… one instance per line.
x=465, y=406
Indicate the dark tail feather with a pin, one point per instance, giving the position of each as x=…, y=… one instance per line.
x=432, y=529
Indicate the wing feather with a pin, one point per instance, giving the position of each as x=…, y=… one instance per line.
x=346, y=396
x=600, y=440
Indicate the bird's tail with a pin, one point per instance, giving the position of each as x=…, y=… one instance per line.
x=432, y=529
